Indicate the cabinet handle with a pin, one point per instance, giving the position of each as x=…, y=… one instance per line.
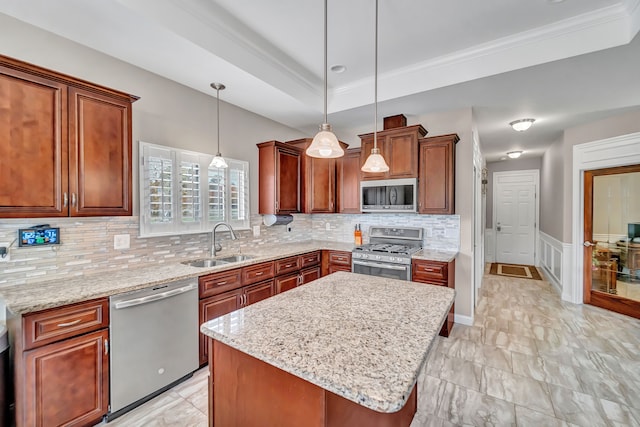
x=221, y=283
x=428, y=269
x=259, y=273
x=277, y=205
x=65, y=199
x=287, y=266
x=106, y=347
x=74, y=200
x=64, y=325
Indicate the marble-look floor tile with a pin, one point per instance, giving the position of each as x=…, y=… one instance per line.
x=577, y=408
x=425, y=420
x=526, y=417
x=511, y=342
x=545, y=370
x=455, y=370
x=517, y=389
x=607, y=387
x=480, y=354
x=430, y=393
x=166, y=410
x=462, y=406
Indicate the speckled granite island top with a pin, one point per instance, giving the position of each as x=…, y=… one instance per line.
x=363, y=338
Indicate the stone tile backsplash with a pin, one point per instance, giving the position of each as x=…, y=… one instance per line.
x=87, y=243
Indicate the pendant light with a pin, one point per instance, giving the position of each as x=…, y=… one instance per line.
x=218, y=161
x=325, y=144
x=375, y=162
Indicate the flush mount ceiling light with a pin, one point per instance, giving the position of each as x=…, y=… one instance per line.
x=375, y=162
x=218, y=161
x=325, y=144
x=514, y=154
x=522, y=124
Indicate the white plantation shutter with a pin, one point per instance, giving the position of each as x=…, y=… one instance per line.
x=179, y=193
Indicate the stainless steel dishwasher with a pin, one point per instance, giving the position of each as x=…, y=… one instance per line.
x=154, y=342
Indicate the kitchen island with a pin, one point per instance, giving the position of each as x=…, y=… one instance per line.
x=344, y=350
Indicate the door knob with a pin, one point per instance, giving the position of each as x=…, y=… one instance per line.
x=588, y=244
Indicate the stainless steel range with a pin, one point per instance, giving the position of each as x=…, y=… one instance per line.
x=388, y=253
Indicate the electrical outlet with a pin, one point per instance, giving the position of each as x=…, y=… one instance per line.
x=121, y=241
x=327, y=226
x=256, y=230
x=5, y=256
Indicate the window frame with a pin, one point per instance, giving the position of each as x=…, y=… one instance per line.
x=183, y=162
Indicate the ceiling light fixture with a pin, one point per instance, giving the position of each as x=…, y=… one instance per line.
x=522, y=124
x=375, y=162
x=325, y=144
x=514, y=154
x=218, y=161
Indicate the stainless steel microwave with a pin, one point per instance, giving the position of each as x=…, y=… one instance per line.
x=389, y=195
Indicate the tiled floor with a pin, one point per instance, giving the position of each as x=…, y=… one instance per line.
x=530, y=359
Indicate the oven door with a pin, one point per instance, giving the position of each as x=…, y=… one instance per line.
x=381, y=269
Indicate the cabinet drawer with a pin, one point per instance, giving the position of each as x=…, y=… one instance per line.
x=310, y=259
x=47, y=326
x=340, y=257
x=216, y=283
x=430, y=271
x=256, y=273
x=287, y=265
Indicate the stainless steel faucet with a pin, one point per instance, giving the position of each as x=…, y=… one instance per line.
x=216, y=247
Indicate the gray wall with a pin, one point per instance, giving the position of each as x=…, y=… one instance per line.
x=504, y=166
x=552, y=190
x=167, y=113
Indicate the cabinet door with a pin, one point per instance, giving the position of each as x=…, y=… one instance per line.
x=213, y=307
x=287, y=181
x=401, y=155
x=437, y=175
x=33, y=146
x=258, y=292
x=348, y=182
x=337, y=267
x=67, y=382
x=309, y=274
x=285, y=283
x=100, y=154
x=321, y=191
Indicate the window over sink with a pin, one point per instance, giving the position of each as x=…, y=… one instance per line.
x=180, y=193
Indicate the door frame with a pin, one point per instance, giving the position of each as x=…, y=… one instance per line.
x=605, y=153
x=527, y=176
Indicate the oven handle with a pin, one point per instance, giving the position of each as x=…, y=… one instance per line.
x=375, y=264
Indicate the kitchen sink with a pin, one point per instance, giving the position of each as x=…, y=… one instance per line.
x=236, y=258
x=212, y=262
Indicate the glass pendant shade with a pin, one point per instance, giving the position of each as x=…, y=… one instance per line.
x=325, y=144
x=218, y=162
x=375, y=162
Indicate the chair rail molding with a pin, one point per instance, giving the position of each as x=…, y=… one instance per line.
x=605, y=153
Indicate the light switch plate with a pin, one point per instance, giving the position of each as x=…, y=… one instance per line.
x=121, y=241
x=327, y=226
x=256, y=230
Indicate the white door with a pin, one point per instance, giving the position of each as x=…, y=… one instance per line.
x=515, y=222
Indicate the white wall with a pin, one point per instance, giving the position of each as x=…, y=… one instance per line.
x=167, y=113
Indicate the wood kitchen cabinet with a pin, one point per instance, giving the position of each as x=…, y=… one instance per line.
x=278, y=178
x=65, y=145
x=437, y=177
x=296, y=271
x=333, y=261
x=61, y=365
x=440, y=274
x=399, y=147
x=318, y=180
x=348, y=182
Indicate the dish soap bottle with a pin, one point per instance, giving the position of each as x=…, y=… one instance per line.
x=357, y=235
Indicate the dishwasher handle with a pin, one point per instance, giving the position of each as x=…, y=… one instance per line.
x=154, y=297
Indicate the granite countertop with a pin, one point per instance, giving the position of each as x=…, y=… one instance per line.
x=27, y=298
x=364, y=338
x=435, y=255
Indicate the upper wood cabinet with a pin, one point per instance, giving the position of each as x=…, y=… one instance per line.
x=318, y=180
x=399, y=147
x=348, y=182
x=436, y=183
x=278, y=178
x=65, y=145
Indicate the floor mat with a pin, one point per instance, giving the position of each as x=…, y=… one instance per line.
x=515, y=270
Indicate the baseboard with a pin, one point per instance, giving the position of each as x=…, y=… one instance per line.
x=549, y=278
x=463, y=320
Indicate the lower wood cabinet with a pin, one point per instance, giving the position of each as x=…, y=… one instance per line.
x=61, y=365
x=440, y=274
x=333, y=261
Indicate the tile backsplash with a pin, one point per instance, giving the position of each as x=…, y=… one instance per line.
x=87, y=243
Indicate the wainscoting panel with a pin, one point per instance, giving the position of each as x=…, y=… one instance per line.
x=555, y=260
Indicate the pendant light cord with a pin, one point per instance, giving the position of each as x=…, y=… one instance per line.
x=218, y=116
x=325, y=60
x=375, y=91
